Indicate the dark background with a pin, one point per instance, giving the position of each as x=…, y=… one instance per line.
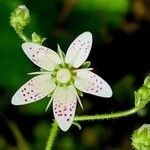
x=120, y=55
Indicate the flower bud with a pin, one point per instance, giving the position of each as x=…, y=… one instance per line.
x=37, y=38
x=142, y=96
x=147, y=82
x=141, y=138
x=20, y=17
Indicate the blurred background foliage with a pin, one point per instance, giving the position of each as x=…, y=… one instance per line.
x=121, y=40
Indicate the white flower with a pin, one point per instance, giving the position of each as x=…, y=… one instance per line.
x=61, y=78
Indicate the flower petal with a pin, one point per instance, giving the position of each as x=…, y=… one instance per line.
x=41, y=56
x=91, y=83
x=79, y=50
x=33, y=90
x=64, y=106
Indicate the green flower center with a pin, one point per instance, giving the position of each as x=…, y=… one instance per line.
x=63, y=75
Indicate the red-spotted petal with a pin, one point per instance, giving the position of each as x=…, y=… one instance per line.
x=64, y=106
x=41, y=56
x=33, y=90
x=88, y=82
x=79, y=50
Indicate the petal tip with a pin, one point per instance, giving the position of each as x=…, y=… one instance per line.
x=88, y=33
x=109, y=93
x=24, y=45
x=14, y=100
x=27, y=45
x=64, y=128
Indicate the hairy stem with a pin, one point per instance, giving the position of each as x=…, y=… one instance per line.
x=52, y=136
x=107, y=116
x=22, y=35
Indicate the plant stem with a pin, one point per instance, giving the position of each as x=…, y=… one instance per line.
x=107, y=116
x=52, y=136
x=22, y=35
x=54, y=129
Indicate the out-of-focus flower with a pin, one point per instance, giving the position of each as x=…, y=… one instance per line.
x=141, y=138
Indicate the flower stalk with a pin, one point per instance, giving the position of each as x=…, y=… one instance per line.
x=107, y=116
x=52, y=136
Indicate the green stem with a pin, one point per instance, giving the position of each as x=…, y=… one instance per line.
x=52, y=136
x=22, y=35
x=107, y=116
x=54, y=129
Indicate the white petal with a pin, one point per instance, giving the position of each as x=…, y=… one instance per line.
x=41, y=56
x=64, y=106
x=34, y=90
x=91, y=83
x=79, y=50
